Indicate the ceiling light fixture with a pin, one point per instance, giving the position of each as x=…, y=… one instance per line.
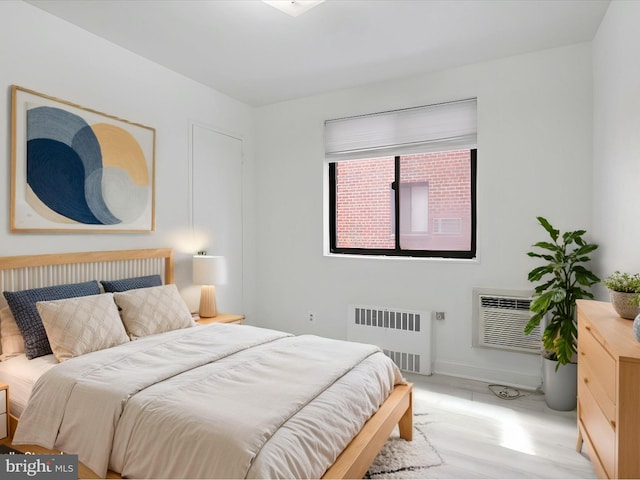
x=293, y=7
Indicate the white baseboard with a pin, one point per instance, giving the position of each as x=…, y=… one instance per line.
x=502, y=377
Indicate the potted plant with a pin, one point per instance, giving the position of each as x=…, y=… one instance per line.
x=564, y=279
x=624, y=291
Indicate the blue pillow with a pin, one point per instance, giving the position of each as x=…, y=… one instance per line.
x=125, y=284
x=23, y=308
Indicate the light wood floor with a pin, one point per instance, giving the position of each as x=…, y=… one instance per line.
x=479, y=435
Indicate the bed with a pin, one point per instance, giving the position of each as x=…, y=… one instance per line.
x=187, y=396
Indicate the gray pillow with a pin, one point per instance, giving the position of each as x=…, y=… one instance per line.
x=112, y=286
x=24, y=310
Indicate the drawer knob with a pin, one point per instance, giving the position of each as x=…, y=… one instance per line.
x=613, y=424
x=586, y=380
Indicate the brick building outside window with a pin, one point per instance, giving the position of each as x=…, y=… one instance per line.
x=436, y=205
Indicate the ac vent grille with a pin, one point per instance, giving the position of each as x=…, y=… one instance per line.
x=507, y=303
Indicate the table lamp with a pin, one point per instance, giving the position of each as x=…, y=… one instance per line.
x=208, y=271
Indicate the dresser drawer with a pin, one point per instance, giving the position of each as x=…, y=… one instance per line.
x=600, y=432
x=587, y=379
x=597, y=363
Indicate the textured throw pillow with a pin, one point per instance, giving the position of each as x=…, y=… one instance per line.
x=76, y=326
x=131, y=283
x=10, y=336
x=147, y=311
x=23, y=308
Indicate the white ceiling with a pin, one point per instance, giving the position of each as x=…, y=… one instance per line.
x=259, y=55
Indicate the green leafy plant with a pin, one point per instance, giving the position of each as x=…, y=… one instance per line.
x=626, y=283
x=564, y=280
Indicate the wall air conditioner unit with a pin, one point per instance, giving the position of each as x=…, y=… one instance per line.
x=499, y=320
x=452, y=226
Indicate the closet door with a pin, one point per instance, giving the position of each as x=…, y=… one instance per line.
x=217, y=207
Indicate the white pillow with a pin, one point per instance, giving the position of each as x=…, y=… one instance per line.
x=10, y=336
x=76, y=326
x=147, y=311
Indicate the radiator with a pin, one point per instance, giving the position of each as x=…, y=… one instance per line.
x=403, y=335
x=499, y=320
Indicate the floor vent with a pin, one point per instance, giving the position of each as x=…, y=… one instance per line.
x=404, y=335
x=499, y=320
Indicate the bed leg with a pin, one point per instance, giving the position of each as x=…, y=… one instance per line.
x=406, y=422
x=13, y=424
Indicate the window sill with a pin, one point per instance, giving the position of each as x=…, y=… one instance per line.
x=470, y=261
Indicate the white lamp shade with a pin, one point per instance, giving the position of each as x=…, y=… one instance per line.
x=209, y=270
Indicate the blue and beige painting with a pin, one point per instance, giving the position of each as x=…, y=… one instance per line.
x=80, y=173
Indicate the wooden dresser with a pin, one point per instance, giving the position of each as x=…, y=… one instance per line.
x=608, y=390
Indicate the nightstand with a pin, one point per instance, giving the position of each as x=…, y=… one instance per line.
x=4, y=411
x=220, y=318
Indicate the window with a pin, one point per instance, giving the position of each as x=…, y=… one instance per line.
x=435, y=215
x=414, y=200
x=414, y=204
x=418, y=198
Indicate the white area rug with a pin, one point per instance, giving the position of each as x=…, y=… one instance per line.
x=402, y=459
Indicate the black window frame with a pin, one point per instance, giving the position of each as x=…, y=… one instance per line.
x=397, y=251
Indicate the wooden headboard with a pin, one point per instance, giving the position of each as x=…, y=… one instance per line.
x=33, y=271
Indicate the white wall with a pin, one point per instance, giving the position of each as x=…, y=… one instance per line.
x=535, y=144
x=616, y=145
x=534, y=158
x=43, y=53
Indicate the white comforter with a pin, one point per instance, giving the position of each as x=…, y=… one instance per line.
x=221, y=401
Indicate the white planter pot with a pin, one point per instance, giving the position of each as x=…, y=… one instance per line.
x=561, y=386
x=623, y=303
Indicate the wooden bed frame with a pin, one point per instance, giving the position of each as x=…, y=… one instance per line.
x=32, y=271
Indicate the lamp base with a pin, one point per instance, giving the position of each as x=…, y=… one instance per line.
x=208, y=306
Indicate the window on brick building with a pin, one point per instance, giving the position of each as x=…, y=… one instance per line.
x=435, y=212
x=420, y=201
x=414, y=202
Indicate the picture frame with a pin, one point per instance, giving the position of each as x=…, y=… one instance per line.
x=74, y=169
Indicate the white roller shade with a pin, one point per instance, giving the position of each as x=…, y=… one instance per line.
x=445, y=126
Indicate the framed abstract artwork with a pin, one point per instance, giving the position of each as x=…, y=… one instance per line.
x=74, y=169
